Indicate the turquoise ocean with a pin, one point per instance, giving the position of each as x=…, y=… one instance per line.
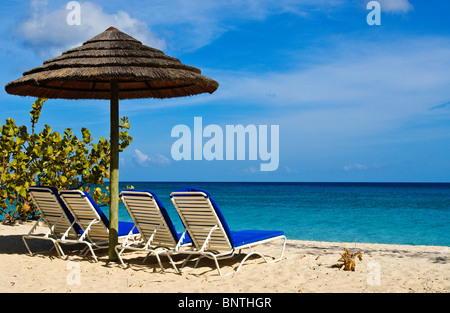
x=391, y=213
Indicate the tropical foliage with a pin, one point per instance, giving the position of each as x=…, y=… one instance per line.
x=49, y=158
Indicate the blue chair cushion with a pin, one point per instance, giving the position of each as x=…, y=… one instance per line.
x=186, y=239
x=244, y=237
x=125, y=228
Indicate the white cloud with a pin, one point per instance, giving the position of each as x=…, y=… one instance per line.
x=251, y=169
x=145, y=160
x=395, y=6
x=355, y=166
x=46, y=29
x=140, y=157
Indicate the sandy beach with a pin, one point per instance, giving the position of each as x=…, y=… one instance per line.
x=307, y=267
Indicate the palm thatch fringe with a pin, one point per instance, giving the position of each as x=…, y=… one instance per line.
x=85, y=72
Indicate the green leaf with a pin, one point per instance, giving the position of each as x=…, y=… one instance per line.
x=23, y=192
x=63, y=179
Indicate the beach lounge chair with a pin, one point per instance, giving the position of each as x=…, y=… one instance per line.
x=209, y=232
x=158, y=235
x=55, y=215
x=92, y=221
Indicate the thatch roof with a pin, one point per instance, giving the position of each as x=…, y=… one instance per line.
x=85, y=72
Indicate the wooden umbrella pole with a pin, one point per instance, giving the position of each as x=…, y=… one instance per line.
x=114, y=173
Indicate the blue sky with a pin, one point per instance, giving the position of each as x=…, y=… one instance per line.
x=353, y=102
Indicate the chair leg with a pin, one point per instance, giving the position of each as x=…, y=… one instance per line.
x=185, y=261
x=92, y=251
x=261, y=255
x=247, y=256
x=212, y=256
x=173, y=264
x=282, y=251
x=159, y=261
x=118, y=255
x=217, y=265
x=55, y=245
x=157, y=258
x=26, y=245
x=146, y=257
x=198, y=261
x=59, y=250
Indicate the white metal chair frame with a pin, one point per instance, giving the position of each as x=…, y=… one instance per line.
x=61, y=221
x=47, y=235
x=204, y=251
x=150, y=245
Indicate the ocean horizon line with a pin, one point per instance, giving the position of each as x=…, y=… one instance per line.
x=283, y=182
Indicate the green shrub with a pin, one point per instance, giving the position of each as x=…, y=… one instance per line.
x=48, y=158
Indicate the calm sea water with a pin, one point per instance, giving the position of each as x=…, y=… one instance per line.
x=393, y=213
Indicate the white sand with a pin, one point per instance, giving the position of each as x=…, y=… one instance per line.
x=307, y=266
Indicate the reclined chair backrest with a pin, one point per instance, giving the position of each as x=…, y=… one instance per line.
x=203, y=220
x=53, y=210
x=150, y=217
x=87, y=214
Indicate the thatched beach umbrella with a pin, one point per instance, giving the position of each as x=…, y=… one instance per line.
x=112, y=65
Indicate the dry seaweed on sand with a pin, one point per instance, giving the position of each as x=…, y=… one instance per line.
x=348, y=260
